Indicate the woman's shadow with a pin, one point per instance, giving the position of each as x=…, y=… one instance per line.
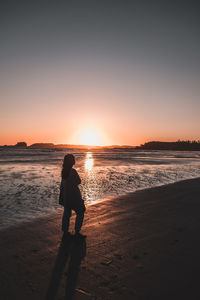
x=74, y=249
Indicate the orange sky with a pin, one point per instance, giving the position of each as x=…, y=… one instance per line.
x=122, y=106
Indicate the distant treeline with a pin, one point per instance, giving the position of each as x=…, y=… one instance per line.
x=179, y=145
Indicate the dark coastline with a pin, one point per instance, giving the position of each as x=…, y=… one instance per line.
x=148, y=146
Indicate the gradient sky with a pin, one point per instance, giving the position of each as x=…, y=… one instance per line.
x=130, y=70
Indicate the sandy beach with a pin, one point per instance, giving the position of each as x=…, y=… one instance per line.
x=144, y=245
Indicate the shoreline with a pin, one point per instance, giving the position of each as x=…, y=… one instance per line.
x=142, y=245
x=59, y=210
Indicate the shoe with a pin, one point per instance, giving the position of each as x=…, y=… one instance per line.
x=67, y=234
x=79, y=235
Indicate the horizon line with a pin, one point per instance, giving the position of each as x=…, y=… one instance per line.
x=93, y=146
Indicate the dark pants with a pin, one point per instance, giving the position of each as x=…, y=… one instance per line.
x=79, y=218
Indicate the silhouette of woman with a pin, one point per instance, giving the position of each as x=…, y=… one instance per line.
x=70, y=195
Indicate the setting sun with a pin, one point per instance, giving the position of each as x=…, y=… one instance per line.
x=90, y=138
x=90, y=135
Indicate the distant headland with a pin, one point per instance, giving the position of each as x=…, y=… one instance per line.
x=152, y=145
x=177, y=146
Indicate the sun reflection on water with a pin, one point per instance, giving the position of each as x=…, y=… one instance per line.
x=89, y=161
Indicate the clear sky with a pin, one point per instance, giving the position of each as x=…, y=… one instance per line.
x=115, y=72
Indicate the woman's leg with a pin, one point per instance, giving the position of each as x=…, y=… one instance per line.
x=66, y=219
x=79, y=218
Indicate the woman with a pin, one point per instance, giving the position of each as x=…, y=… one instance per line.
x=70, y=195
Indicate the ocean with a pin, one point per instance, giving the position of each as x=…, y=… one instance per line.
x=30, y=178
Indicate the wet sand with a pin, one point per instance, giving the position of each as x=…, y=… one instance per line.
x=143, y=245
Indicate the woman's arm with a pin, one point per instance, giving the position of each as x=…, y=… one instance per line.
x=76, y=178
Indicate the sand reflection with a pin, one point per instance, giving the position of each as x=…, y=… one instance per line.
x=89, y=161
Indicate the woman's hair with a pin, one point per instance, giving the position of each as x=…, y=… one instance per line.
x=68, y=162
